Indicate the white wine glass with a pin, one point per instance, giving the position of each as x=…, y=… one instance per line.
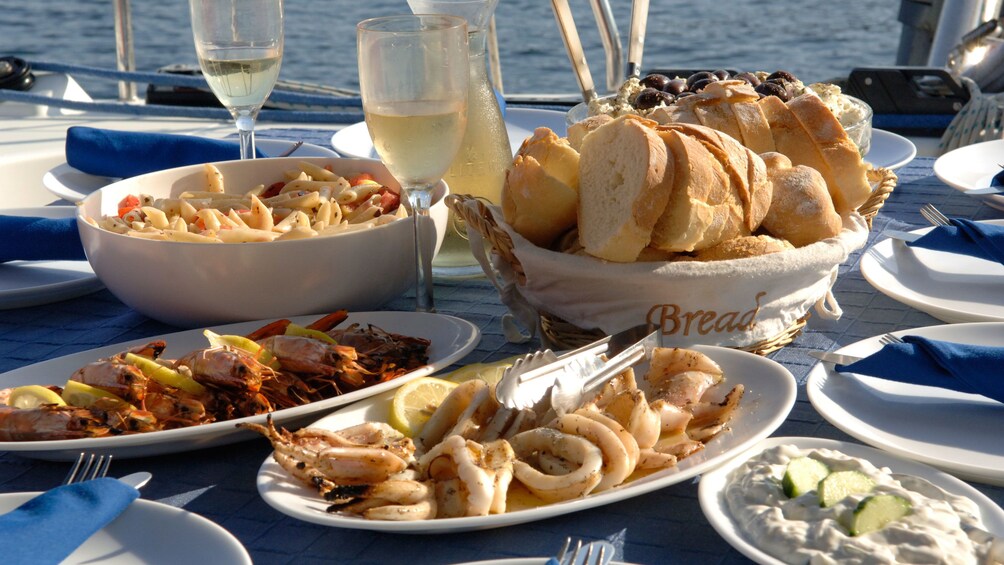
x=239, y=46
x=413, y=76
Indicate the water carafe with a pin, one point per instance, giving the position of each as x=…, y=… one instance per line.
x=480, y=166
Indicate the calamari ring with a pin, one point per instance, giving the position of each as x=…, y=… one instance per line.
x=555, y=488
x=456, y=457
x=447, y=414
x=617, y=461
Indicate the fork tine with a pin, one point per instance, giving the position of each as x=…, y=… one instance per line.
x=72, y=475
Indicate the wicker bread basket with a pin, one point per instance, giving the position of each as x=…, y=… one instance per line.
x=559, y=333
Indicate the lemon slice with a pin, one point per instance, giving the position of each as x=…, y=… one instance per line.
x=33, y=396
x=76, y=393
x=488, y=372
x=415, y=401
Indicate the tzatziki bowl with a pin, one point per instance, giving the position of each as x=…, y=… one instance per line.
x=747, y=497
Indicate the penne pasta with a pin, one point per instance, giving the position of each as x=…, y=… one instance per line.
x=308, y=202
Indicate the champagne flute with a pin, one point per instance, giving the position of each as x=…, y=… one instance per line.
x=239, y=46
x=413, y=76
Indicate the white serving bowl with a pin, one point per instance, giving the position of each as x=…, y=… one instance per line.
x=198, y=284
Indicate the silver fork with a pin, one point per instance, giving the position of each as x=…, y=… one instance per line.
x=933, y=215
x=88, y=467
x=590, y=554
x=291, y=149
x=889, y=339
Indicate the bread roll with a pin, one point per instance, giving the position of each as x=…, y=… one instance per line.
x=742, y=247
x=577, y=131
x=801, y=211
x=848, y=169
x=624, y=183
x=703, y=209
x=540, y=196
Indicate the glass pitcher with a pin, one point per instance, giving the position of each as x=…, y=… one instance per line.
x=485, y=155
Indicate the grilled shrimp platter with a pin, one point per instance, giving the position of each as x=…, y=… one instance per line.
x=187, y=390
x=475, y=464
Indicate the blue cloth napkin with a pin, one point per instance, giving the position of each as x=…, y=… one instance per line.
x=51, y=526
x=966, y=237
x=974, y=369
x=39, y=239
x=124, y=154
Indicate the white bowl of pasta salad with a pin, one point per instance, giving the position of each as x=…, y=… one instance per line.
x=250, y=240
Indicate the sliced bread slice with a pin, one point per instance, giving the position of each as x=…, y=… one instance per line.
x=625, y=179
x=848, y=169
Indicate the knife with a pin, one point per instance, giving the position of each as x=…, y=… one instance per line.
x=985, y=191
x=835, y=358
x=902, y=235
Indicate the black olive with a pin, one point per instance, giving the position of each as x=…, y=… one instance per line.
x=722, y=74
x=772, y=89
x=783, y=75
x=702, y=75
x=655, y=81
x=676, y=86
x=700, y=84
x=749, y=78
x=650, y=98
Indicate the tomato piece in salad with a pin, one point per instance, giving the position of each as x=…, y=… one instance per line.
x=128, y=204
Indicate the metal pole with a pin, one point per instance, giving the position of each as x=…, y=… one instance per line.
x=124, y=53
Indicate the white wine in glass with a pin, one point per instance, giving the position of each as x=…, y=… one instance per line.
x=413, y=82
x=239, y=46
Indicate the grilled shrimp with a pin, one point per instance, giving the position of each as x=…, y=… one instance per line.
x=49, y=422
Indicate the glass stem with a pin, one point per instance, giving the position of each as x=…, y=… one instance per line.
x=245, y=128
x=421, y=199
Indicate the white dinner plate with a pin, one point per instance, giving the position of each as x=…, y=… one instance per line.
x=74, y=185
x=971, y=167
x=451, y=338
x=769, y=396
x=954, y=431
x=710, y=492
x=521, y=561
x=30, y=283
x=355, y=141
x=150, y=533
x=950, y=287
x=890, y=150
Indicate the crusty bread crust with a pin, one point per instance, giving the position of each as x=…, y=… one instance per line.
x=578, y=131
x=625, y=177
x=743, y=247
x=850, y=173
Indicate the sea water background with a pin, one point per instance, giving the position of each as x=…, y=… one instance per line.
x=814, y=39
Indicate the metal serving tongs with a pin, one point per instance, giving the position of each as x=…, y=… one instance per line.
x=570, y=35
x=636, y=39
x=526, y=386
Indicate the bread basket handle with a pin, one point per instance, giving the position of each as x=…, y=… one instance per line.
x=480, y=218
x=885, y=181
x=481, y=228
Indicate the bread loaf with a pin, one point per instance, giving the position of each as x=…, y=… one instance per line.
x=746, y=171
x=703, y=209
x=624, y=183
x=540, y=196
x=801, y=210
x=849, y=171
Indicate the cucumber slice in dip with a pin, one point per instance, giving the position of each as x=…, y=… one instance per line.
x=803, y=475
x=841, y=484
x=874, y=512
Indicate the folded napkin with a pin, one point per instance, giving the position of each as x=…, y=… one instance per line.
x=974, y=369
x=966, y=237
x=39, y=239
x=51, y=526
x=124, y=154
